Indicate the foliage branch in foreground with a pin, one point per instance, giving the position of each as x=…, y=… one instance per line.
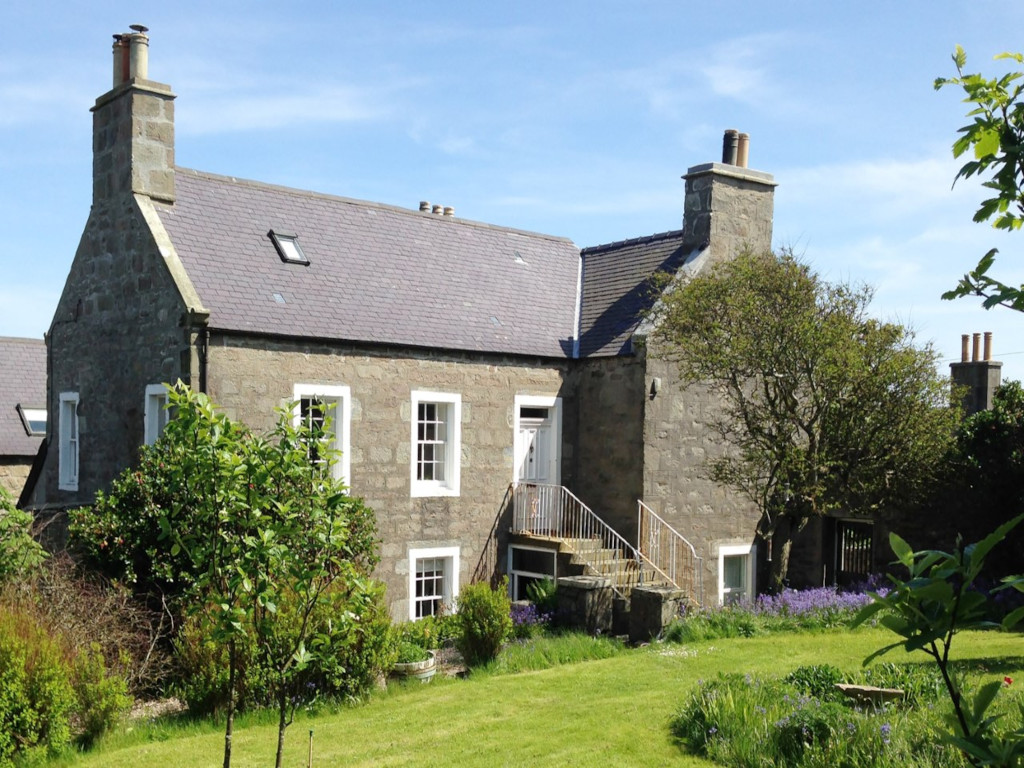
x=927, y=610
x=995, y=136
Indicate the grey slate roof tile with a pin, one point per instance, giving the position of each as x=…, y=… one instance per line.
x=377, y=273
x=615, y=295
x=22, y=380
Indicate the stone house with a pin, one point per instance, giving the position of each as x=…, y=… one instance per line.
x=495, y=401
x=22, y=409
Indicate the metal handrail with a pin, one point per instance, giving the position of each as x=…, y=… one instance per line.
x=670, y=552
x=541, y=509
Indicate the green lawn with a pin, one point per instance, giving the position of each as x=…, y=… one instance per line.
x=609, y=712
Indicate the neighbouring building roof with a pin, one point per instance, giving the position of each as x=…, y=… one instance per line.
x=22, y=382
x=616, y=292
x=376, y=273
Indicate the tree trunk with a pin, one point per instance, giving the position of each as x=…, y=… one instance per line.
x=781, y=545
x=282, y=724
x=229, y=728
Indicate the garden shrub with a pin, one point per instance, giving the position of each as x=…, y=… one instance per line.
x=543, y=593
x=36, y=697
x=362, y=654
x=20, y=554
x=818, y=680
x=85, y=609
x=750, y=722
x=430, y=631
x=484, y=621
x=527, y=621
x=101, y=696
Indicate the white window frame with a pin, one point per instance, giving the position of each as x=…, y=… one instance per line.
x=538, y=401
x=156, y=413
x=450, y=585
x=514, y=574
x=453, y=445
x=340, y=397
x=69, y=446
x=734, y=550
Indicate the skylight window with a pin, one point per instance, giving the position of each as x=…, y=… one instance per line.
x=288, y=248
x=33, y=419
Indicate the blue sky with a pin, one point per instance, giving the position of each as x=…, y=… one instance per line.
x=571, y=118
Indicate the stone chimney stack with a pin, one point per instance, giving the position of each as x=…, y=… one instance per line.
x=133, y=128
x=728, y=206
x=979, y=377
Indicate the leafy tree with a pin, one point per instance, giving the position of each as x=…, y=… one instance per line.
x=261, y=543
x=983, y=479
x=996, y=137
x=822, y=407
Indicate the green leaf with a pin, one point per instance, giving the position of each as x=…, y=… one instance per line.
x=904, y=553
x=986, y=143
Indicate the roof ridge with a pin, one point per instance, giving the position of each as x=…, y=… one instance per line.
x=632, y=241
x=365, y=203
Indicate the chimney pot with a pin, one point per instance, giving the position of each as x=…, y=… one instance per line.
x=120, y=60
x=988, y=346
x=964, y=339
x=425, y=206
x=449, y=211
x=743, y=150
x=975, y=347
x=730, y=143
x=437, y=209
x=139, y=57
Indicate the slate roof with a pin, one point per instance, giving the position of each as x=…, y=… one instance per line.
x=22, y=380
x=615, y=288
x=377, y=273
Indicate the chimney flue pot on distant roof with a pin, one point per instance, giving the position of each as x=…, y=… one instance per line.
x=743, y=150
x=964, y=341
x=730, y=143
x=437, y=209
x=424, y=206
x=975, y=347
x=449, y=211
x=988, y=346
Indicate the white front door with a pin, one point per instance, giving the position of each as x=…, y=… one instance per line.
x=537, y=440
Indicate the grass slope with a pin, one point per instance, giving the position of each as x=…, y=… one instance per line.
x=613, y=711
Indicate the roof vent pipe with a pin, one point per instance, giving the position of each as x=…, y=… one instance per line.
x=975, y=347
x=437, y=209
x=449, y=211
x=729, y=146
x=424, y=206
x=988, y=346
x=743, y=150
x=964, y=338
x=139, y=57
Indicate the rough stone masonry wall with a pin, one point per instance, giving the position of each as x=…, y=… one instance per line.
x=13, y=473
x=677, y=446
x=117, y=328
x=609, y=455
x=730, y=208
x=249, y=379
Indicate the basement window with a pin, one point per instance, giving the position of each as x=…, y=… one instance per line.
x=288, y=248
x=33, y=419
